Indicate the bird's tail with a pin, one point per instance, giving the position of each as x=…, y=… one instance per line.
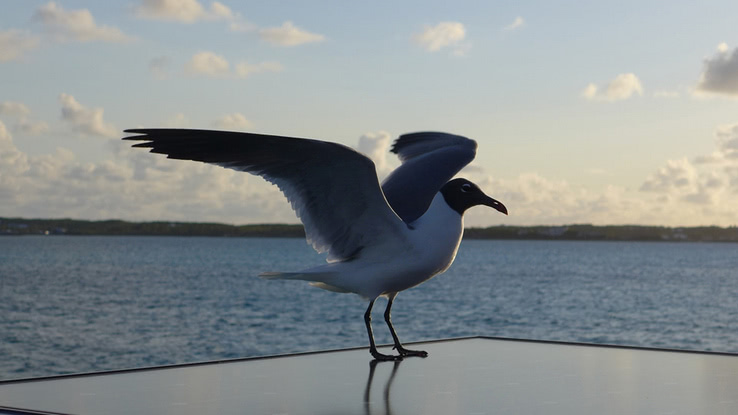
x=316, y=279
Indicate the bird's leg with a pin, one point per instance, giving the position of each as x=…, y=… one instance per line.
x=398, y=346
x=372, y=346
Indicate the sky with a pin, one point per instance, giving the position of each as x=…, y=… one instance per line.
x=608, y=112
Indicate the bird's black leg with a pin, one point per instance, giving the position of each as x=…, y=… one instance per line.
x=372, y=346
x=398, y=346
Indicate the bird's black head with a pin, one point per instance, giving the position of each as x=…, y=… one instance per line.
x=461, y=194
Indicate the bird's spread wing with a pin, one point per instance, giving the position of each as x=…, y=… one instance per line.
x=333, y=189
x=429, y=160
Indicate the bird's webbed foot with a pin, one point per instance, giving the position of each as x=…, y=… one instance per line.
x=407, y=352
x=385, y=357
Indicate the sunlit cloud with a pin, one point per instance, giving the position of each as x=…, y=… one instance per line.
x=20, y=113
x=184, y=11
x=208, y=64
x=709, y=182
x=719, y=73
x=621, y=88
x=177, y=120
x=14, y=44
x=234, y=121
x=289, y=35
x=13, y=108
x=376, y=146
x=211, y=65
x=442, y=35
x=75, y=25
x=87, y=121
x=516, y=24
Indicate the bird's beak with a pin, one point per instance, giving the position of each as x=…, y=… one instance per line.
x=488, y=201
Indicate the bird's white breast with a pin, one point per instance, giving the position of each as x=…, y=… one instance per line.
x=436, y=236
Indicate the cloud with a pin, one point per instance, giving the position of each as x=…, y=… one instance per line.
x=29, y=127
x=20, y=112
x=17, y=109
x=710, y=181
x=12, y=163
x=622, y=87
x=75, y=25
x=212, y=65
x=235, y=121
x=208, y=64
x=727, y=141
x=131, y=184
x=87, y=121
x=516, y=24
x=675, y=175
x=720, y=73
x=184, y=11
x=288, y=35
x=15, y=43
x=178, y=120
x=442, y=35
x=376, y=146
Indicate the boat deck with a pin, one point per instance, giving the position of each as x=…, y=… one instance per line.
x=476, y=375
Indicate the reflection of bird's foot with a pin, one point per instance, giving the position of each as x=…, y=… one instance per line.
x=406, y=352
x=385, y=357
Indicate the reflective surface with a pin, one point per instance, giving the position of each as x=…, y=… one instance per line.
x=465, y=376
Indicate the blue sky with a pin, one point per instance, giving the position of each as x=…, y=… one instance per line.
x=585, y=112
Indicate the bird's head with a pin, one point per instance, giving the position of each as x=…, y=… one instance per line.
x=461, y=194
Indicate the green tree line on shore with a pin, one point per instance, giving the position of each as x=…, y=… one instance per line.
x=22, y=226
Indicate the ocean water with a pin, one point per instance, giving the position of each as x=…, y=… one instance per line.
x=79, y=304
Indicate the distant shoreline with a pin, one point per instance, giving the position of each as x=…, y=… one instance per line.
x=22, y=226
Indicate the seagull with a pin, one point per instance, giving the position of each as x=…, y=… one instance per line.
x=380, y=239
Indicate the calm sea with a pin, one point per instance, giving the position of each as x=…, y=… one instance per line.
x=80, y=304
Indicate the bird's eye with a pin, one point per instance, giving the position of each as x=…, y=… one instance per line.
x=466, y=187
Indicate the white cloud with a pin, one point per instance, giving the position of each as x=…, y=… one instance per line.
x=622, y=87
x=720, y=73
x=376, y=146
x=13, y=108
x=132, y=184
x=13, y=163
x=215, y=66
x=676, y=175
x=727, y=141
x=289, y=35
x=178, y=120
x=20, y=112
x=208, y=64
x=88, y=121
x=590, y=92
x=709, y=182
x=235, y=121
x=15, y=43
x=185, y=11
x=75, y=25
x=135, y=185
x=444, y=34
x=516, y=24
x=30, y=127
